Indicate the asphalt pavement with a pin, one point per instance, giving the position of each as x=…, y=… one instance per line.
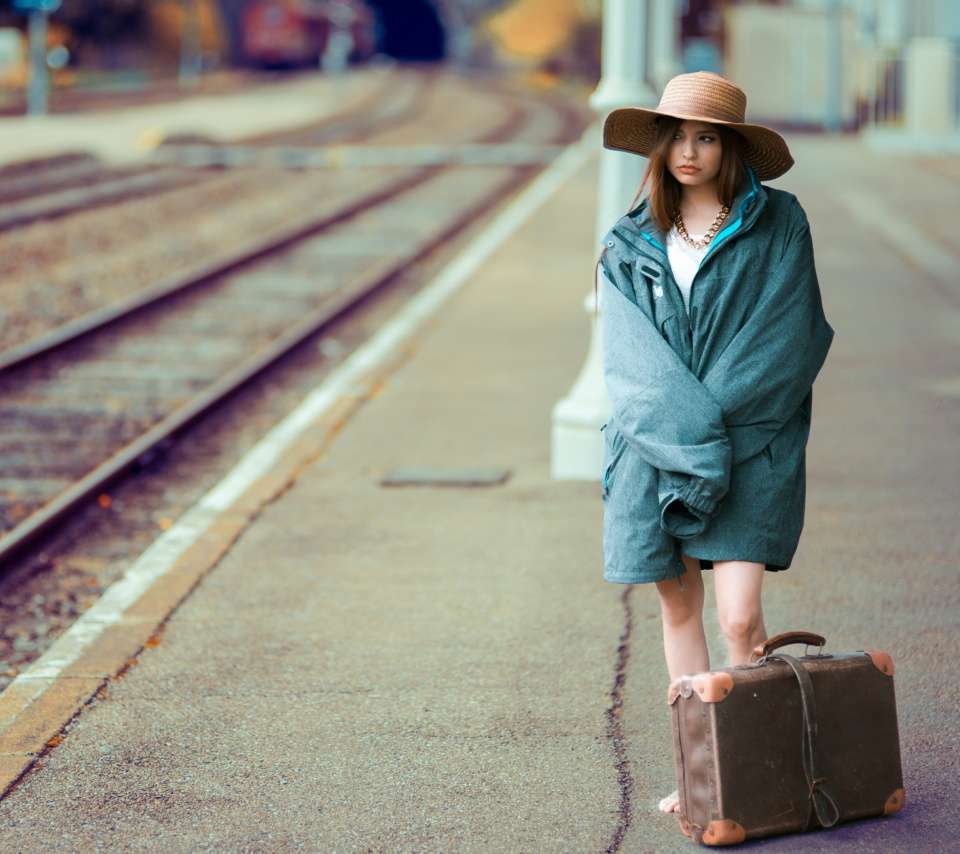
x=440, y=668
x=878, y=562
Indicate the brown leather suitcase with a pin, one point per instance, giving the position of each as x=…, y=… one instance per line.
x=786, y=744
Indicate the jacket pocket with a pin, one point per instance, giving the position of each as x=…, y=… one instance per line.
x=785, y=451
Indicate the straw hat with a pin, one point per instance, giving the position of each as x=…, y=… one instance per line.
x=704, y=97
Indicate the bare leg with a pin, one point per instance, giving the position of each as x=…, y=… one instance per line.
x=738, y=586
x=684, y=641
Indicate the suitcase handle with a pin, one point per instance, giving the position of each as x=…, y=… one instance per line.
x=762, y=650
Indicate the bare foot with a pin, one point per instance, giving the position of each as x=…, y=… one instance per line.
x=670, y=803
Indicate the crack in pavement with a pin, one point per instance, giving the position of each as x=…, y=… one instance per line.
x=615, y=726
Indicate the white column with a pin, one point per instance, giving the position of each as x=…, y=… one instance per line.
x=891, y=21
x=928, y=95
x=664, y=41
x=577, y=443
x=834, y=108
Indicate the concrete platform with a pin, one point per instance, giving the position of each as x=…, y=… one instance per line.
x=440, y=668
x=126, y=135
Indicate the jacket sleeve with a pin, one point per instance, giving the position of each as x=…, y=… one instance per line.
x=663, y=412
x=768, y=369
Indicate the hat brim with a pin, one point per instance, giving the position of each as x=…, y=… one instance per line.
x=634, y=129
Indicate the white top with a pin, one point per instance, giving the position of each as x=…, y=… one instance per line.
x=685, y=261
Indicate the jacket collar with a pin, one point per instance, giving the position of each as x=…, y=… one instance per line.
x=639, y=232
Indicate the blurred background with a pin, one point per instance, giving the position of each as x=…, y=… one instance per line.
x=178, y=273
x=889, y=65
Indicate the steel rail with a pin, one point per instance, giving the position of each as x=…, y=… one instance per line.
x=360, y=156
x=48, y=205
x=380, y=108
x=338, y=305
x=334, y=307
x=221, y=263
x=197, y=274
x=30, y=178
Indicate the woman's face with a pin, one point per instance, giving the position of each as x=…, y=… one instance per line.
x=695, y=153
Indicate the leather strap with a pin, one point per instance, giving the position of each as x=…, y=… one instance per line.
x=822, y=802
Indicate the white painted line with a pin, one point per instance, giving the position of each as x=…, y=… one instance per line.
x=345, y=380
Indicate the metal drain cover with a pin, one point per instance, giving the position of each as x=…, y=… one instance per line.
x=445, y=477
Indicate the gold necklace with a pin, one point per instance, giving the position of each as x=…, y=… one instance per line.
x=700, y=244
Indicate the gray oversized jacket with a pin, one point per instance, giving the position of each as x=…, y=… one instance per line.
x=710, y=412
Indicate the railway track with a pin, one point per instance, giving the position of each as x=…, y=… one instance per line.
x=88, y=402
x=63, y=185
x=117, y=94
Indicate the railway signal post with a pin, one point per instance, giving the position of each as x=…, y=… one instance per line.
x=191, y=50
x=38, y=86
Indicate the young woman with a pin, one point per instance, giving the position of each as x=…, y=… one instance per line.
x=713, y=333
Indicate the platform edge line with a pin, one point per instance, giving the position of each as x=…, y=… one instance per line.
x=344, y=381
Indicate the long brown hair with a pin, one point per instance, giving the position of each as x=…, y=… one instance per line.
x=663, y=190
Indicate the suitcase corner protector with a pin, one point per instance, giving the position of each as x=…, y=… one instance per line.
x=723, y=832
x=894, y=803
x=882, y=661
x=713, y=686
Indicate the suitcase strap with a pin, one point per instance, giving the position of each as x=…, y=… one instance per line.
x=823, y=802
